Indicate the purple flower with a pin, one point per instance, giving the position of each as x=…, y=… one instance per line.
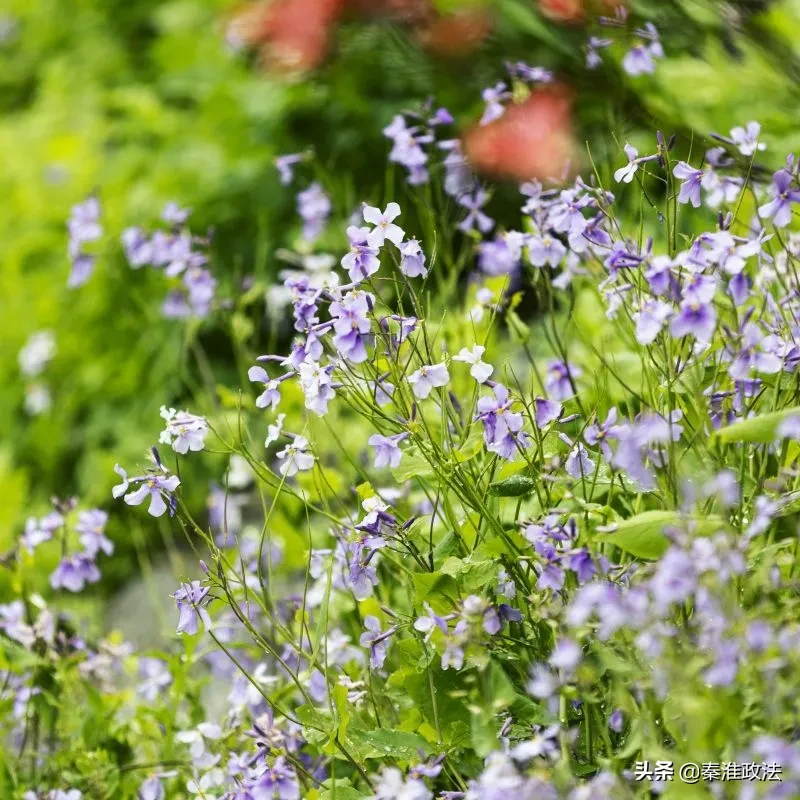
x=578, y=464
x=276, y=782
x=82, y=268
x=752, y=356
x=377, y=640
x=697, y=319
x=543, y=683
x=184, y=431
x=270, y=397
x=391, y=786
x=545, y=250
x=582, y=564
x=173, y=214
x=475, y=218
x=155, y=676
x=779, y=209
x=458, y=178
x=501, y=256
x=412, y=261
x=138, y=248
x=494, y=96
x=155, y=486
x=284, y=166
x=314, y=207
x=91, y=527
x=453, y=655
x=566, y=655
x=594, y=44
x=547, y=411
x=650, y=319
x=407, y=149
x=41, y=530
x=83, y=227
x=188, y=598
x=151, y=789
x=73, y=572
x=559, y=379
x=674, y=580
x=690, y=187
x=384, y=225
x=502, y=427
x=427, y=378
x=726, y=664
x=746, y=139
x=352, y=324
x=598, y=434
x=616, y=721
x=430, y=622
x=551, y=576
x=362, y=260
x=387, y=449
x=640, y=60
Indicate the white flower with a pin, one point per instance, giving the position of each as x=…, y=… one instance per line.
x=295, y=457
x=384, y=227
x=274, y=431
x=625, y=174
x=427, y=378
x=37, y=352
x=479, y=369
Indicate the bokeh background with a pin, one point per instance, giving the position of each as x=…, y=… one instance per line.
x=142, y=102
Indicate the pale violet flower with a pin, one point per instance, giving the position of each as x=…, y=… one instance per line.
x=427, y=378
x=412, y=260
x=296, y=457
x=387, y=449
x=746, y=139
x=184, y=431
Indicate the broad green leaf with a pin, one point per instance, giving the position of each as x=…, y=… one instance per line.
x=762, y=428
x=385, y=743
x=643, y=535
x=436, y=588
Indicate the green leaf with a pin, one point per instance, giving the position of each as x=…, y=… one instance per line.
x=643, y=535
x=762, y=428
x=342, y=709
x=436, y=588
x=414, y=465
x=483, y=730
x=499, y=689
x=515, y=486
x=387, y=743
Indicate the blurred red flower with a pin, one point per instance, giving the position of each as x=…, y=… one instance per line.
x=533, y=139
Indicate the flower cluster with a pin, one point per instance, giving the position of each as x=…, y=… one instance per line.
x=83, y=227
x=484, y=553
x=181, y=258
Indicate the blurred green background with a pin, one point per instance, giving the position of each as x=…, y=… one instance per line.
x=144, y=102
